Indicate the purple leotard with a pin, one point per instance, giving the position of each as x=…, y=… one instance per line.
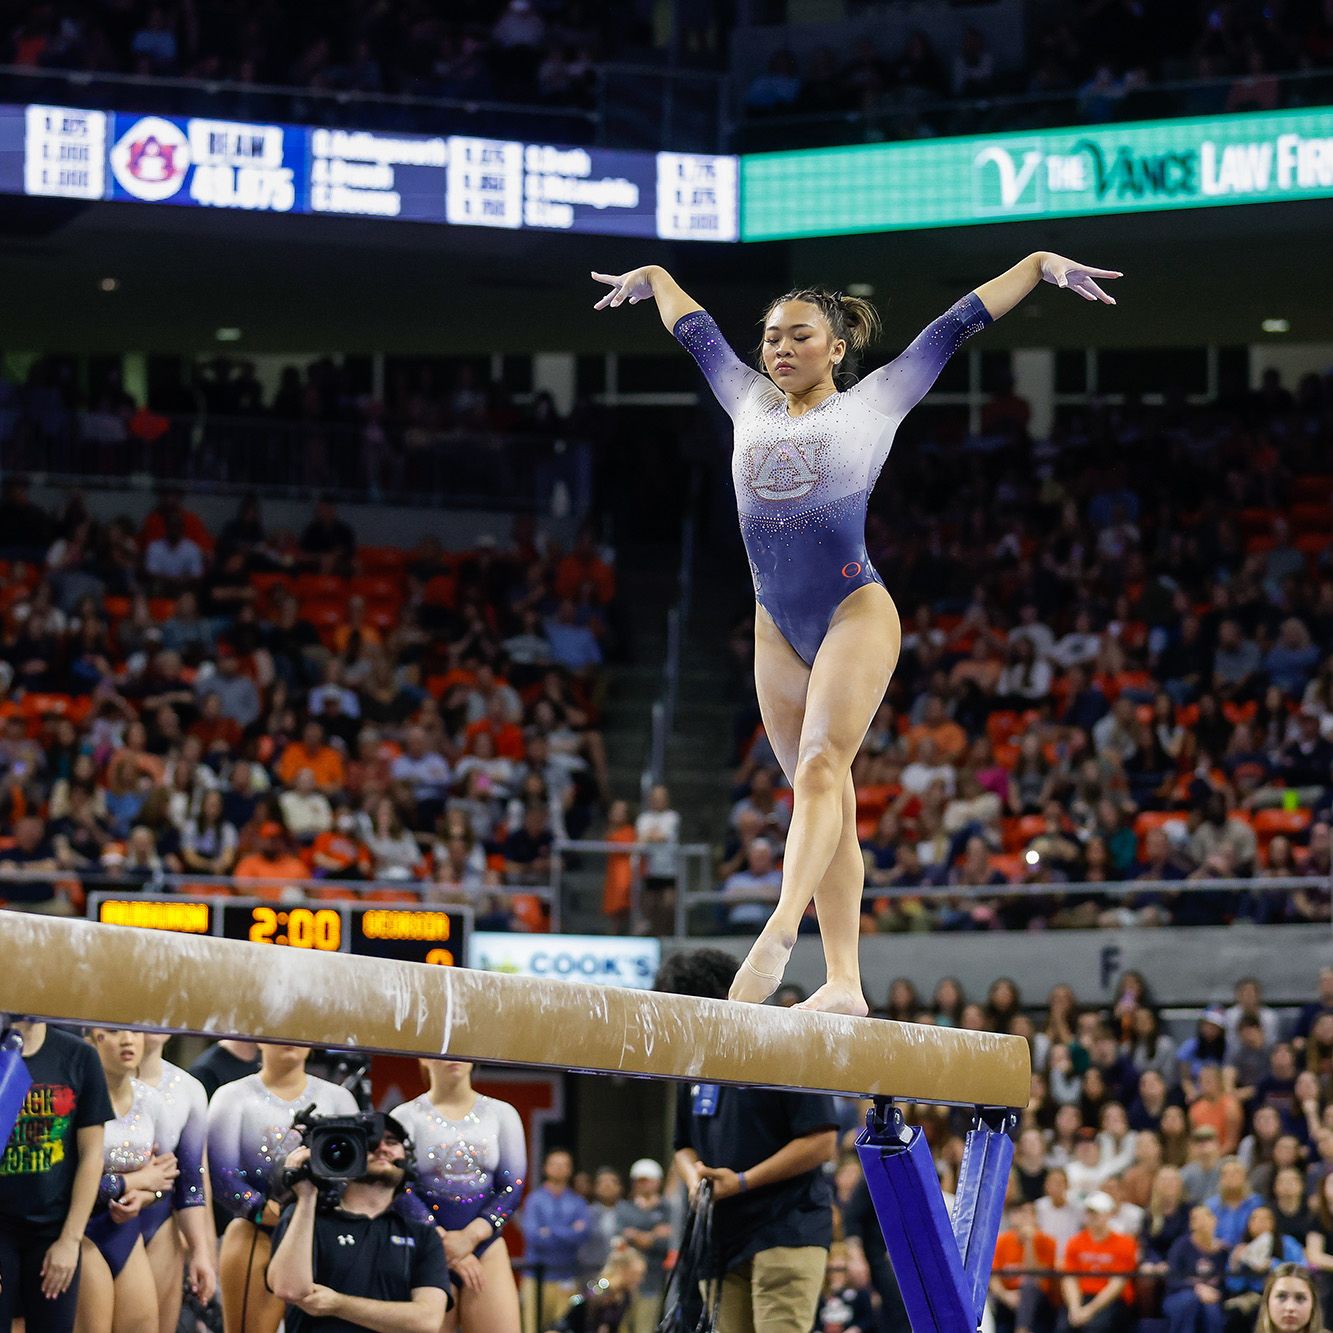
x=250, y=1132
x=468, y=1168
x=131, y=1140
x=183, y=1131
x=803, y=483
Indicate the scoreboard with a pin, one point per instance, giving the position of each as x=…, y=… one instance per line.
x=461, y=180
x=400, y=931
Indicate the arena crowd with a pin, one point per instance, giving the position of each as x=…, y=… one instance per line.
x=284, y=707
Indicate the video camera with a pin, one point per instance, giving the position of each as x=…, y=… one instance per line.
x=340, y=1145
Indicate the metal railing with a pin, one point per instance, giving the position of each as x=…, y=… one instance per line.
x=692, y=863
x=701, y=907
x=228, y=455
x=717, y=900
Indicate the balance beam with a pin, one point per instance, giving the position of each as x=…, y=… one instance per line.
x=117, y=976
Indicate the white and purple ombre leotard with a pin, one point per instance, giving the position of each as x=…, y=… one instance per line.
x=803, y=483
x=183, y=1130
x=250, y=1132
x=468, y=1168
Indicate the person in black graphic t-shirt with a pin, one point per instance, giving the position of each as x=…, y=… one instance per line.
x=764, y=1153
x=49, y=1175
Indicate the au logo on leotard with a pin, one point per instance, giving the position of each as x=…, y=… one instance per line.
x=784, y=474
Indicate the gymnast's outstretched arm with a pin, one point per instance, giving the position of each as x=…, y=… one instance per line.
x=673, y=301
x=896, y=388
x=728, y=376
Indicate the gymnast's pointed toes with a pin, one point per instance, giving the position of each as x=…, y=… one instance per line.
x=832, y=998
x=752, y=986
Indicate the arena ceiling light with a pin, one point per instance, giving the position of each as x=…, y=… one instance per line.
x=228, y=335
x=109, y=284
x=1276, y=326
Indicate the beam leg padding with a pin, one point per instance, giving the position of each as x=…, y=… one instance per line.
x=905, y=1188
x=983, y=1181
x=14, y=1083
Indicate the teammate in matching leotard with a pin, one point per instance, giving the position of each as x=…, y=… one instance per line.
x=471, y=1159
x=249, y=1134
x=827, y=634
x=183, y=1131
x=117, y=1284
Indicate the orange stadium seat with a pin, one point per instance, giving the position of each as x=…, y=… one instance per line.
x=1151, y=819
x=1269, y=823
x=377, y=587
x=264, y=584
x=871, y=801
x=382, y=559
x=1313, y=488
x=1003, y=724
x=383, y=615
x=1255, y=520
x=311, y=586
x=1011, y=833
x=1311, y=516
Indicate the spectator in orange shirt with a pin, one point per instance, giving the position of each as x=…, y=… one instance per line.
x=506, y=734
x=1099, y=1304
x=1217, y=1108
x=583, y=565
x=311, y=752
x=338, y=853
x=351, y=638
x=271, y=861
x=171, y=503
x=1023, y=1304
x=950, y=739
x=619, y=868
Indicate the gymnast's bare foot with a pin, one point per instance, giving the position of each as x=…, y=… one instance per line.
x=761, y=972
x=837, y=997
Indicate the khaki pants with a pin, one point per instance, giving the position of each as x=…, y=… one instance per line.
x=554, y=1301
x=775, y=1292
x=644, y=1313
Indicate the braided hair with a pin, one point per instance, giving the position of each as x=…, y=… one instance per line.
x=850, y=318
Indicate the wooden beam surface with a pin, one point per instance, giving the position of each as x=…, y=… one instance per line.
x=78, y=971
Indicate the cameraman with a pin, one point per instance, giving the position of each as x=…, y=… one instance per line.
x=357, y=1263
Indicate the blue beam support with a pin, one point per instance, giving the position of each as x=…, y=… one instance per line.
x=14, y=1082
x=943, y=1268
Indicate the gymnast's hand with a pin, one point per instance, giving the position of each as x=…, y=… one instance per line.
x=1062, y=272
x=467, y=1269
x=726, y=1182
x=634, y=286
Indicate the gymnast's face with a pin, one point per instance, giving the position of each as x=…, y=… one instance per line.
x=119, y=1050
x=800, y=351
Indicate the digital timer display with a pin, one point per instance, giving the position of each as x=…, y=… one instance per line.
x=299, y=927
x=405, y=933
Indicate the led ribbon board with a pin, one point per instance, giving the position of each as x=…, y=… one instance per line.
x=1265, y=157
x=202, y=162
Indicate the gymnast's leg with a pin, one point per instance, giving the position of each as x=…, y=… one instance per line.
x=781, y=679
x=493, y=1309
x=845, y=687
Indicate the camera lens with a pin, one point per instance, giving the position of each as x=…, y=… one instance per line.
x=339, y=1154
